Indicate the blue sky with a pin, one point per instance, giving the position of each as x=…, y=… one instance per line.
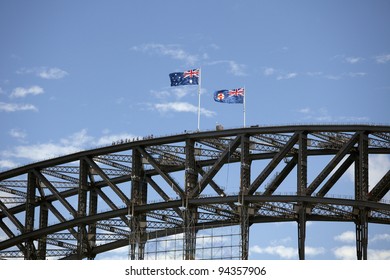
x=80, y=74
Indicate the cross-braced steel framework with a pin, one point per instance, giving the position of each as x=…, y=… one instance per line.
x=138, y=190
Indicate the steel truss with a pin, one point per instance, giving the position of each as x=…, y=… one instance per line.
x=83, y=204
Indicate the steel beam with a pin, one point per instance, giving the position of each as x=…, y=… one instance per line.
x=112, y=185
x=381, y=188
x=219, y=163
x=137, y=223
x=190, y=212
x=30, y=253
x=336, y=176
x=245, y=171
x=273, y=163
x=361, y=194
x=333, y=163
x=163, y=174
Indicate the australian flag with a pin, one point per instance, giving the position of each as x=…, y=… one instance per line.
x=229, y=96
x=190, y=77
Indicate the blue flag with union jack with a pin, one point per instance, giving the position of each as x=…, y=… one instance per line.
x=190, y=77
x=232, y=96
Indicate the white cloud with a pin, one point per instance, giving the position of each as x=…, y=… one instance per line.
x=23, y=92
x=380, y=237
x=234, y=68
x=12, y=107
x=181, y=107
x=347, y=236
x=237, y=69
x=382, y=58
x=323, y=115
x=109, y=139
x=349, y=253
x=17, y=133
x=7, y=164
x=269, y=71
x=356, y=74
x=285, y=252
x=280, y=74
x=378, y=166
x=52, y=73
x=345, y=252
x=75, y=142
x=287, y=76
x=173, y=51
x=305, y=110
x=353, y=60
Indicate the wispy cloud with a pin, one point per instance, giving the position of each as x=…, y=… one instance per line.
x=353, y=60
x=7, y=164
x=181, y=107
x=269, y=71
x=279, y=74
x=349, y=253
x=77, y=141
x=323, y=115
x=235, y=68
x=52, y=73
x=12, y=107
x=384, y=58
x=347, y=236
x=20, y=92
x=380, y=237
x=287, y=76
x=286, y=252
x=172, y=51
x=17, y=133
x=49, y=73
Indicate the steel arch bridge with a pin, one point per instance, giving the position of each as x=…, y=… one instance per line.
x=83, y=204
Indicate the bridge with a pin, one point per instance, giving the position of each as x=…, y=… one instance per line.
x=135, y=191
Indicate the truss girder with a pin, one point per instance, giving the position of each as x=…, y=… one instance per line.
x=65, y=198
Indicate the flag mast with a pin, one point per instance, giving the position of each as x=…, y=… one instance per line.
x=244, y=107
x=199, y=88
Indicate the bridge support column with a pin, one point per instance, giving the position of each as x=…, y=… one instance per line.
x=244, y=187
x=190, y=212
x=361, y=193
x=301, y=191
x=82, y=239
x=43, y=223
x=301, y=231
x=30, y=253
x=137, y=222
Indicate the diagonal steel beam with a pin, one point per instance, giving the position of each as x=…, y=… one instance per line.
x=273, y=163
x=271, y=188
x=10, y=216
x=54, y=191
x=166, y=176
x=381, y=188
x=217, y=165
x=103, y=175
x=333, y=163
x=336, y=176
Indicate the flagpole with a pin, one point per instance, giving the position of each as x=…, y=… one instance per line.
x=199, y=87
x=244, y=107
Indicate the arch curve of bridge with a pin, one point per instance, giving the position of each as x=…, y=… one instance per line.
x=125, y=176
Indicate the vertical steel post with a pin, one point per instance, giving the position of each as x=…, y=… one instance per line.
x=137, y=221
x=82, y=240
x=190, y=212
x=30, y=253
x=301, y=191
x=43, y=223
x=361, y=192
x=245, y=182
